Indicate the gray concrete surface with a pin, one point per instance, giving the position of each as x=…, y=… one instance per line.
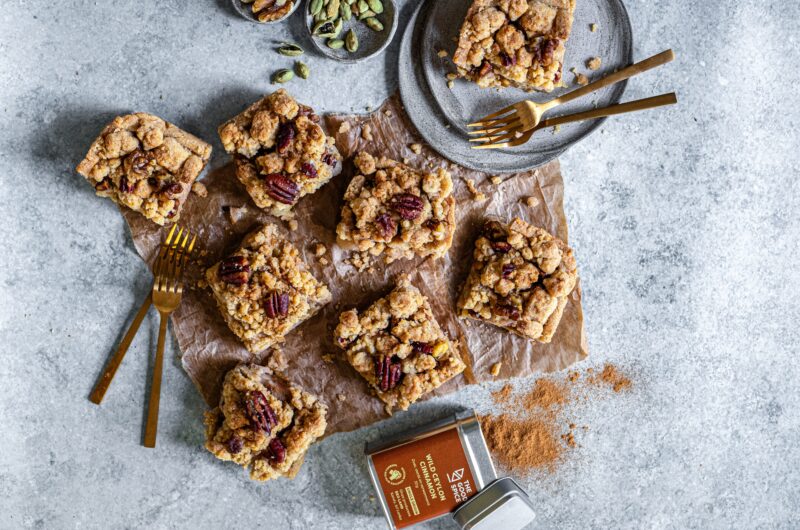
x=685, y=223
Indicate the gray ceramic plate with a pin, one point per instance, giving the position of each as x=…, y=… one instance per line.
x=440, y=114
x=370, y=43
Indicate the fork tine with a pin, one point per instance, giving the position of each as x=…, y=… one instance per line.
x=184, y=260
x=512, y=124
x=180, y=261
x=493, y=137
x=500, y=141
x=492, y=116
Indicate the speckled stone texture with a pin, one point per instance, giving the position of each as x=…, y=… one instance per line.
x=684, y=222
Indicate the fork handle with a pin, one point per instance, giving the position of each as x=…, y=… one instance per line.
x=155, y=389
x=626, y=73
x=104, y=382
x=622, y=108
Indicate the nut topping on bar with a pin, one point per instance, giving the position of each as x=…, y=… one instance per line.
x=264, y=290
x=280, y=151
x=145, y=163
x=263, y=422
x=520, y=280
x=398, y=347
x=395, y=210
x=514, y=43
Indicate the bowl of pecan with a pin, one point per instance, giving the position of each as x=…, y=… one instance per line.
x=265, y=11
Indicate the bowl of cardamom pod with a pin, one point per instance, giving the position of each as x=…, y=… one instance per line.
x=265, y=11
x=350, y=31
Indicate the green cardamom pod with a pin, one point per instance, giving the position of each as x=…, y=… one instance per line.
x=374, y=24
x=351, y=41
x=345, y=11
x=337, y=27
x=333, y=8
x=323, y=27
x=376, y=5
x=335, y=44
x=302, y=70
x=362, y=6
x=283, y=76
x=290, y=50
x=315, y=6
x=366, y=14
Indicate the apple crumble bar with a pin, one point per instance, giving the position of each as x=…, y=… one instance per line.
x=395, y=210
x=264, y=289
x=515, y=43
x=398, y=347
x=263, y=422
x=280, y=151
x=520, y=279
x=145, y=163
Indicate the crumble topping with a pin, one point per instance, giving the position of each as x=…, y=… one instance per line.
x=145, y=163
x=263, y=422
x=264, y=290
x=520, y=279
x=398, y=347
x=280, y=151
x=515, y=43
x=394, y=210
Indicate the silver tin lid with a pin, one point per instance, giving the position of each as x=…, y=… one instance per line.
x=502, y=504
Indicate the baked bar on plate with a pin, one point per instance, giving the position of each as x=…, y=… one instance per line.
x=394, y=210
x=517, y=43
x=146, y=164
x=264, y=289
x=398, y=347
x=280, y=151
x=264, y=422
x=520, y=279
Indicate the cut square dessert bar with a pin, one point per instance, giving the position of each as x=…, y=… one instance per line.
x=280, y=151
x=264, y=289
x=515, y=43
x=146, y=164
x=398, y=347
x=264, y=422
x=520, y=279
x=395, y=210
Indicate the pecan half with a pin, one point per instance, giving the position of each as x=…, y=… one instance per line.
x=386, y=225
x=387, y=373
x=494, y=231
x=484, y=69
x=141, y=162
x=277, y=451
x=422, y=347
x=172, y=190
x=407, y=205
x=285, y=135
x=258, y=410
x=309, y=170
x=507, y=60
x=103, y=185
x=234, y=270
x=280, y=188
x=308, y=112
x=277, y=305
x=235, y=445
x=506, y=309
x=508, y=268
x=544, y=52
x=501, y=247
x=124, y=185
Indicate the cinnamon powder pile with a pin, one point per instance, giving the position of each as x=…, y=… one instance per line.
x=530, y=433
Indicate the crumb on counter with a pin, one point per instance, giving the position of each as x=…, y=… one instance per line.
x=594, y=63
x=319, y=249
x=496, y=180
x=451, y=84
x=388, y=113
x=592, y=27
x=344, y=127
x=532, y=202
x=366, y=132
x=581, y=79
x=442, y=53
x=292, y=225
x=556, y=129
x=416, y=148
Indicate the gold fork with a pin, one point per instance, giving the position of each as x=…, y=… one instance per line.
x=526, y=115
x=519, y=137
x=114, y=363
x=167, y=292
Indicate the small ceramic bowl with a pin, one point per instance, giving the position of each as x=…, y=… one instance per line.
x=246, y=10
x=370, y=42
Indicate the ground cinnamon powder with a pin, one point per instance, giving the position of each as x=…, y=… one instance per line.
x=530, y=433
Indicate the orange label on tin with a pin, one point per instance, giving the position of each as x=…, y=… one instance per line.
x=424, y=479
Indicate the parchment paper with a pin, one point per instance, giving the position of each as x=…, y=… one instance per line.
x=209, y=349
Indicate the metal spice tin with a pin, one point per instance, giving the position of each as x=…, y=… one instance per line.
x=429, y=472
